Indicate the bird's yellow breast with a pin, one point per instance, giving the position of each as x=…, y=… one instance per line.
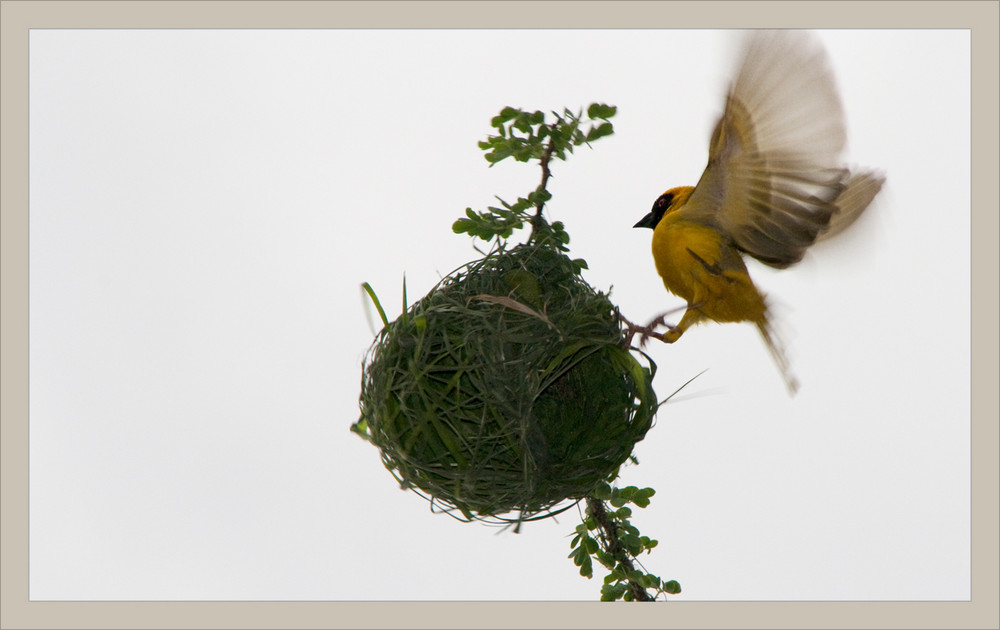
x=671, y=241
x=698, y=264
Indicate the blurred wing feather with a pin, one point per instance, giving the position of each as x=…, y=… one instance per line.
x=860, y=191
x=774, y=172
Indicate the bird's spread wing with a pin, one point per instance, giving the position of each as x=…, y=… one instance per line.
x=774, y=170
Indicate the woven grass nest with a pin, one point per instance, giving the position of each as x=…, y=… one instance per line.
x=507, y=387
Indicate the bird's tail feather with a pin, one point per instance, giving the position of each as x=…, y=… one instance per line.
x=778, y=354
x=859, y=191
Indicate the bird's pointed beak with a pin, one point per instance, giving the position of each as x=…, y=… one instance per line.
x=647, y=222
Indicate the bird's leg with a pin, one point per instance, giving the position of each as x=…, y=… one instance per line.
x=645, y=331
x=691, y=316
x=649, y=330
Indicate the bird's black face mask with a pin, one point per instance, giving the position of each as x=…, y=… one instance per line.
x=659, y=209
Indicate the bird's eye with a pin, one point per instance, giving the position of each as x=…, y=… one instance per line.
x=665, y=200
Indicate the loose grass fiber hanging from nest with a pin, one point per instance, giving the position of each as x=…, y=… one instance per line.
x=507, y=387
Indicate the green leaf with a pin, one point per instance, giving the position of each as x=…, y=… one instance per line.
x=600, y=110
x=361, y=428
x=632, y=544
x=606, y=559
x=522, y=204
x=600, y=131
x=613, y=592
x=672, y=587
x=540, y=196
x=378, y=305
x=602, y=492
x=506, y=114
x=462, y=225
x=641, y=497
x=608, y=593
x=641, y=501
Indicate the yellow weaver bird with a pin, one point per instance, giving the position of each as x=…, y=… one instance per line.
x=773, y=186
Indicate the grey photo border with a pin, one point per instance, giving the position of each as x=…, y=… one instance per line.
x=18, y=17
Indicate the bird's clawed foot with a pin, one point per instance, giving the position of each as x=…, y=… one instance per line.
x=671, y=335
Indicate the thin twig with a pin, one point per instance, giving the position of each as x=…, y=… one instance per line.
x=536, y=221
x=610, y=535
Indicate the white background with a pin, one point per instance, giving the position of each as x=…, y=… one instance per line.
x=205, y=205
